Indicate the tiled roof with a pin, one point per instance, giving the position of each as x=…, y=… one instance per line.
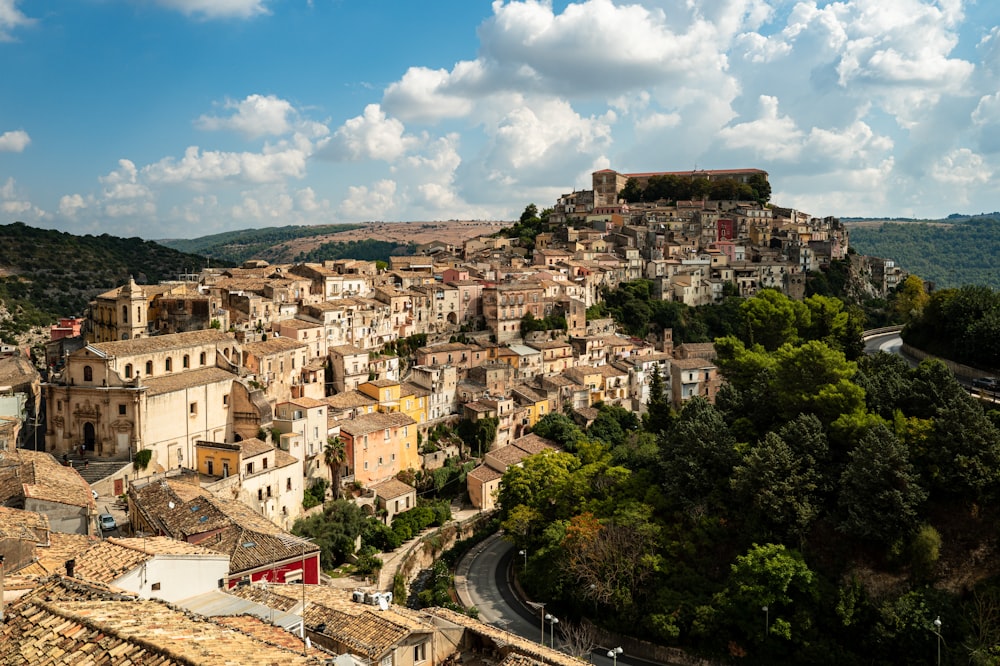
x=484, y=474
x=350, y=400
x=158, y=545
x=105, y=562
x=392, y=488
x=52, y=558
x=261, y=630
x=160, y=343
x=367, y=423
x=37, y=475
x=18, y=524
x=128, y=631
x=533, y=444
x=347, y=350
x=254, y=447
x=508, y=455
x=283, y=458
x=307, y=402
x=416, y=390
x=273, y=346
x=691, y=363
x=187, y=379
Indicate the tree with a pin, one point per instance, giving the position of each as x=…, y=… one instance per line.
x=771, y=319
x=911, y=298
x=761, y=187
x=815, y=379
x=879, y=491
x=335, y=455
x=631, y=192
x=335, y=530
x=530, y=213
x=697, y=457
x=779, y=489
x=560, y=429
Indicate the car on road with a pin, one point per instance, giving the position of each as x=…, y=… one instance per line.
x=987, y=383
x=107, y=522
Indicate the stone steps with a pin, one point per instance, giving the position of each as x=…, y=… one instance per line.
x=93, y=471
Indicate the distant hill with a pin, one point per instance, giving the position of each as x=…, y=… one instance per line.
x=270, y=243
x=959, y=250
x=45, y=274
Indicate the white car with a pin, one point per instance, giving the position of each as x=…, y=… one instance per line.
x=107, y=522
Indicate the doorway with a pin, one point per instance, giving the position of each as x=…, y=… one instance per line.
x=89, y=436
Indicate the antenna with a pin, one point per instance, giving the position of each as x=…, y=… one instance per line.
x=383, y=603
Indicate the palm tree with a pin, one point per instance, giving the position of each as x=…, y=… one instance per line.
x=335, y=455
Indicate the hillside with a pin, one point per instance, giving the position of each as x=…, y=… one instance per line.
x=45, y=274
x=957, y=251
x=369, y=240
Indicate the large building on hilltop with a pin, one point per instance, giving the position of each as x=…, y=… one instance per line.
x=607, y=183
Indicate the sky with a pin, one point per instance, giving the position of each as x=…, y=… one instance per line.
x=183, y=118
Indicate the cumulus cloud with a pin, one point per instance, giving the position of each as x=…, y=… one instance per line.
x=364, y=203
x=14, y=142
x=254, y=116
x=962, y=167
x=11, y=18
x=199, y=167
x=217, y=9
x=17, y=204
x=370, y=136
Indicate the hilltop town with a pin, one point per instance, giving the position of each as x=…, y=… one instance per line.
x=212, y=404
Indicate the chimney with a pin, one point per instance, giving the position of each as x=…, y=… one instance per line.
x=70, y=566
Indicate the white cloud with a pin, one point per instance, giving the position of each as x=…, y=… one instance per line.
x=962, y=167
x=14, y=202
x=771, y=136
x=214, y=9
x=363, y=203
x=11, y=18
x=71, y=204
x=199, y=167
x=14, y=142
x=372, y=135
x=255, y=116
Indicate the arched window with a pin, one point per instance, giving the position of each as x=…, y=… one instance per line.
x=149, y=368
x=168, y=365
x=201, y=358
x=128, y=371
x=88, y=373
x=124, y=314
x=186, y=362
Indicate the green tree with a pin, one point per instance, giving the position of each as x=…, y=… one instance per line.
x=880, y=493
x=560, y=429
x=815, y=379
x=910, y=298
x=778, y=489
x=771, y=319
x=335, y=530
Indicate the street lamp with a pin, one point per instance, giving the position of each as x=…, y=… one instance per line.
x=525, y=554
x=767, y=623
x=937, y=632
x=553, y=621
x=613, y=654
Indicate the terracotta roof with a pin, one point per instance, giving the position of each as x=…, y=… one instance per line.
x=416, y=390
x=37, y=475
x=273, y=346
x=254, y=447
x=392, y=488
x=105, y=562
x=26, y=525
x=181, y=380
x=307, y=402
x=350, y=400
x=298, y=324
x=347, y=350
x=52, y=558
x=125, y=630
x=368, y=423
x=263, y=631
x=485, y=474
x=159, y=343
x=691, y=363
x=533, y=444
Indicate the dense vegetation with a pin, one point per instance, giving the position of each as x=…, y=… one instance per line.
x=959, y=324
x=367, y=250
x=770, y=319
x=952, y=254
x=845, y=497
x=675, y=188
x=531, y=223
x=53, y=273
x=238, y=246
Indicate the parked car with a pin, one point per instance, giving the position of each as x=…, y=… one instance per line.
x=987, y=383
x=107, y=522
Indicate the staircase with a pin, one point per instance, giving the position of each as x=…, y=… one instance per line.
x=93, y=471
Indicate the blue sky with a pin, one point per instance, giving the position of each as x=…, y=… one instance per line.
x=180, y=118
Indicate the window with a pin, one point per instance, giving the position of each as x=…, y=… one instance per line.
x=124, y=314
x=288, y=483
x=186, y=362
x=155, y=587
x=385, y=435
x=201, y=358
x=249, y=468
x=269, y=491
x=193, y=408
x=168, y=365
x=210, y=465
x=121, y=409
x=128, y=371
x=366, y=465
x=149, y=368
x=380, y=460
x=260, y=494
x=265, y=463
x=88, y=373
x=420, y=652
x=225, y=400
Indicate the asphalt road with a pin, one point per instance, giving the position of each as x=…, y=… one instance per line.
x=489, y=589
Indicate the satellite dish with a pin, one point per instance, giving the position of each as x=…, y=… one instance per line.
x=170, y=504
x=383, y=603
